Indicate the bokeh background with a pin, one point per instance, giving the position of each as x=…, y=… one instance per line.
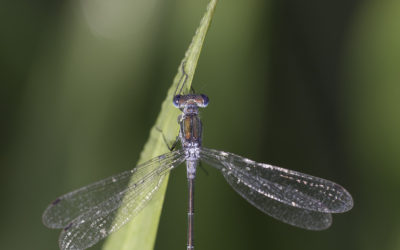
x=307, y=85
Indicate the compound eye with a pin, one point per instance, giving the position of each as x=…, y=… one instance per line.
x=175, y=101
x=205, y=100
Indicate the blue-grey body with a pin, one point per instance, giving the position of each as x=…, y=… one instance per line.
x=190, y=135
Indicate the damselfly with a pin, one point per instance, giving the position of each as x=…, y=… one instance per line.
x=90, y=213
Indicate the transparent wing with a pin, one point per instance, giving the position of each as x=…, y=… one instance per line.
x=292, y=215
x=93, y=212
x=298, y=199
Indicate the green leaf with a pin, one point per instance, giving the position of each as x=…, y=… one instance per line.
x=140, y=233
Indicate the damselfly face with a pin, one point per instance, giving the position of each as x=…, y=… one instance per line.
x=182, y=101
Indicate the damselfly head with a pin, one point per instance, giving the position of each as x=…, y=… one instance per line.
x=181, y=101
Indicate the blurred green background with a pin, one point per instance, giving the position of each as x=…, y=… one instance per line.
x=307, y=85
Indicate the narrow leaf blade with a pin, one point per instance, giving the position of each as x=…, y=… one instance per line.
x=140, y=233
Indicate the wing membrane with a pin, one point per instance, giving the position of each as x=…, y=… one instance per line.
x=292, y=215
x=284, y=194
x=90, y=213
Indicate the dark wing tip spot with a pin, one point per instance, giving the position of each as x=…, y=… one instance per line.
x=56, y=201
x=68, y=227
